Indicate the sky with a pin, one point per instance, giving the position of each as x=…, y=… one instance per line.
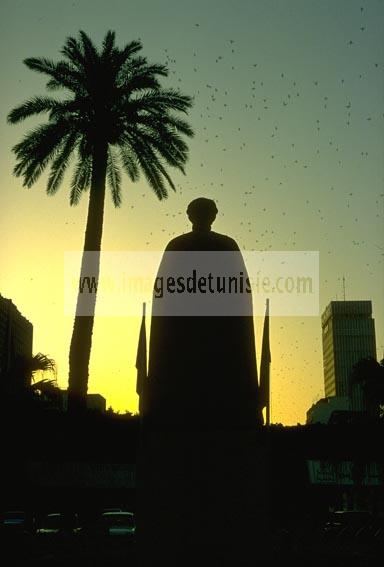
x=288, y=117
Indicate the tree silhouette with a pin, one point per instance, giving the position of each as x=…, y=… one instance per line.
x=22, y=384
x=116, y=115
x=370, y=374
x=25, y=366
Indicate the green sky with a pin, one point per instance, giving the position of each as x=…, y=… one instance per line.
x=289, y=123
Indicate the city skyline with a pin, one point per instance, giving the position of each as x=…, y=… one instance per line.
x=288, y=143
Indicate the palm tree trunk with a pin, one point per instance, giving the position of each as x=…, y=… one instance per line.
x=81, y=342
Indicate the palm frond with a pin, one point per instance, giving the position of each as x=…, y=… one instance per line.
x=67, y=77
x=108, y=44
x=148, y=163
x=90, y=51
x=114, y=177
x=42, y=362
x=171, y=99
x=180, y=125
x=168, y=143
x=137, y=75
x=60, y=163
x=129, y=162
x=45, y=386
x=75, y=108
x=41, y=65
x=36, y=149
x=153, y=177
x=124, y=56
x=72, y=50
x=158, y=102
x=139, y=82
x=81, y=179
x=61, y=73
x=157, y=164
x=35, y=105
x=165, y=174
x=84, y=148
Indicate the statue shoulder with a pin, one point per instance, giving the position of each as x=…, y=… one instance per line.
x=208, y=241
x=179, y=243
x=225, y=242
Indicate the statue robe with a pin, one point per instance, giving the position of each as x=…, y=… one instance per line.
x=202, y=369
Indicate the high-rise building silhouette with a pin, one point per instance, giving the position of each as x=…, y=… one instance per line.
x=348, y=332
x=16, y=335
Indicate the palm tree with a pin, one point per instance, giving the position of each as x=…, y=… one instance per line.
x=36, y=394
x=25, y=367
x=22, y=384
x=116, y=115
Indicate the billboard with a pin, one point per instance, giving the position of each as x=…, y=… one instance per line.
x=345, y=473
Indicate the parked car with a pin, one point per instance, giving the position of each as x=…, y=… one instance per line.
x=58, y=523
x=111, y=523
x=17, y=522
x=348, y=523
x=119, y=524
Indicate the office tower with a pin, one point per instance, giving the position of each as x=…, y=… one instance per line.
x=348, y=332
x=16, y=334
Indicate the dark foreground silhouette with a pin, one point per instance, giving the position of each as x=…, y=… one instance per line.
x=212, y=498
x=202, y=467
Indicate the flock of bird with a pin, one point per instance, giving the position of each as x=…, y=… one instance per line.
x=266, y=148
x=266, y=208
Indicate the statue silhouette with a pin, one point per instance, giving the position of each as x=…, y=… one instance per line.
x=202, y=369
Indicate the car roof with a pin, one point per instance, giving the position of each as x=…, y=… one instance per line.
x=122, y=513
x=350, y=512
x=112, y=509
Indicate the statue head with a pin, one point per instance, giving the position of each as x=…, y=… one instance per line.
x=202, y=212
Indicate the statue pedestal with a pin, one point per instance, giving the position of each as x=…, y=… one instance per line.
x=202, y=498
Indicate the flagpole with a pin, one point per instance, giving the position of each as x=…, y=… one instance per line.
x=141, y=363
x=141, y=385
x=268, y=408
x=265, y=364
